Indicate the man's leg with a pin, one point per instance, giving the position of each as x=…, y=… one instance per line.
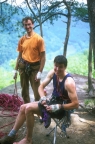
x=19, y=122
x=26, y=112
x=30, y=110
x=20, y=118
x=35, y=85
x=24, y=80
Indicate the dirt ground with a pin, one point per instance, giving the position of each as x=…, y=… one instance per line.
x=81, y=130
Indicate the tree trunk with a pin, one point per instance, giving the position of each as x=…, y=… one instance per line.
x=91, y=13
x=68, y=29
x=41, y=30
x=90, y=66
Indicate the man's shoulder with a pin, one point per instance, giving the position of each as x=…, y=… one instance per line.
x=69, y=81
x=51, y=73
x=38, y=36
x=22, y=39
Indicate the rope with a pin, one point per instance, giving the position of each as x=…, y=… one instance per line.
x=9, y=103
x=6, y=125
x=2, y=134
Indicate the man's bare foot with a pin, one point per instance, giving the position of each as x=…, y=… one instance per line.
x=23, y=141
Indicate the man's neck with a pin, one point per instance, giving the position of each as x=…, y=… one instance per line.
x=30, y=34
x=61, y=77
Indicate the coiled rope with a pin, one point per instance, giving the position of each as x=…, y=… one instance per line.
x=9, y=103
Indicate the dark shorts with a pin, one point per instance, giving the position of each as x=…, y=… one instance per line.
x=58, y=114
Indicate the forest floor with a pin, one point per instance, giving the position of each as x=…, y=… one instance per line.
x=81, y=130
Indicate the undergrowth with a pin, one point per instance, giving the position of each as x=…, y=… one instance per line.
x=77, y=64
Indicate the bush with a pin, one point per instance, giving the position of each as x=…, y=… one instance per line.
x=89, y=103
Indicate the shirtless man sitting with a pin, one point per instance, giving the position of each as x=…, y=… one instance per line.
x=63, y=89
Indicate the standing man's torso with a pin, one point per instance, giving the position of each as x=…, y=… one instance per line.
x=31, y=47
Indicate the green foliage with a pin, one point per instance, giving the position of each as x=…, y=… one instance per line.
x=77, y=64
x=89, y=103
x=9, y=19
x=12, y=15
x=79, y=10
x=48, y=65
x=6, y=78
x=12, y=63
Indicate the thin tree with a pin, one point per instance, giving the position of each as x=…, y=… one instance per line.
x=91, y=12
x=68, y=5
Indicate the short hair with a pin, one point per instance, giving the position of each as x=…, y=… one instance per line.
x=27, y=18
x=60, y=59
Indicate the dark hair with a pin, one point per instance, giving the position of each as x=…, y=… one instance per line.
x=60, y=59
x=27, y=18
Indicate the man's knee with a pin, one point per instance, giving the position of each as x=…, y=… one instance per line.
x=28, y=109
x=22, y=108
x=31, y=107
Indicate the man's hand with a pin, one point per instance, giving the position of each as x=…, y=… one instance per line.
x=43, y=102
x=39, y=75
x=52, y=108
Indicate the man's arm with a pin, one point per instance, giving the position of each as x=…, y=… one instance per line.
x=19, y=56
x=71, y=89
x=16, y=67
x=45, y=82
x=42, y=61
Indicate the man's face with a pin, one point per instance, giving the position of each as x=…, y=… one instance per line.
x=59, y=69
x=28, y=25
